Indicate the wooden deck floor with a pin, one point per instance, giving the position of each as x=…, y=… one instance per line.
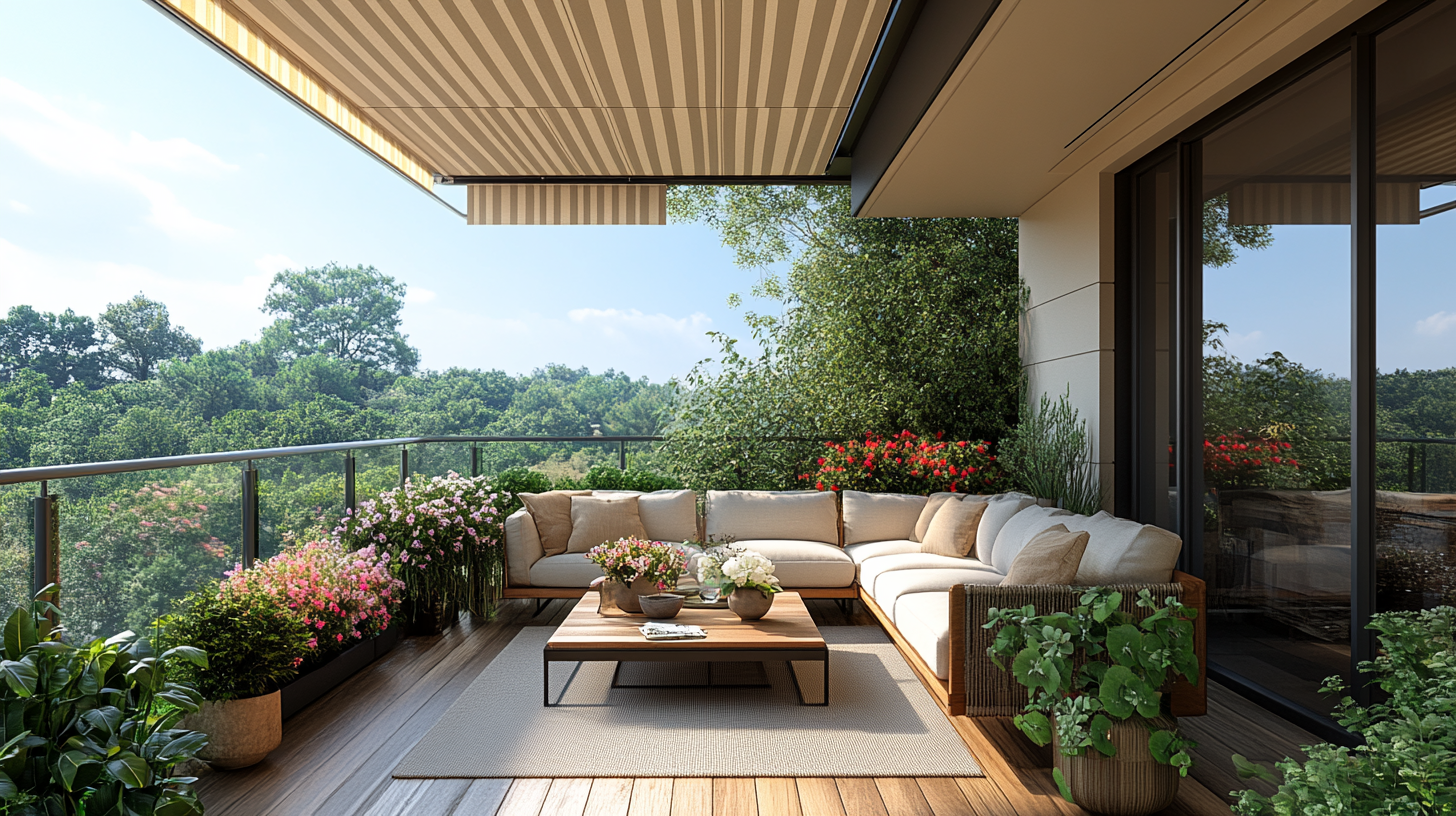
x=337, y=754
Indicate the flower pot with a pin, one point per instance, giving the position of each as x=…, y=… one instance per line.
x=239, y=732
x=624, y=596
x=1131, y=783
x=426, y=617
x=749, y=604
x=661, y=606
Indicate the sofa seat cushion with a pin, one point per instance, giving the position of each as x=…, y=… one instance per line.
x=893, y=587
x=565, y=570
x=799, y=515
x=860, y=553
x=1120, y=551
x=879, y=516
x=872, y=569
x=799, y=564
x=924, y=621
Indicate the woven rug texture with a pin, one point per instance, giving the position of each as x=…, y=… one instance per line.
x=880, y=721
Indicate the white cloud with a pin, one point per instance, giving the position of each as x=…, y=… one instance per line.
x=418, y=294
x=617, y=323
x=221, y=313
x=1437, y=324
x=19, y=206
x=75, y=147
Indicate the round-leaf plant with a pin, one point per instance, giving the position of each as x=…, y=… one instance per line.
x=1086, y=668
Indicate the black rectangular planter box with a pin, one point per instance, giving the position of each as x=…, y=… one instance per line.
x=320, y=681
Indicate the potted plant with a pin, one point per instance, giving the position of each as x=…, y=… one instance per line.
x=746, y=575
x=254, y=646
x=93, y=728
x=1095, y=678
x=634, y=567
x=446, y=537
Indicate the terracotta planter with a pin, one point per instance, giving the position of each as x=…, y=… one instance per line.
x=1131, y=783
x=239, y=732
x=625, y=597
x=750, y=604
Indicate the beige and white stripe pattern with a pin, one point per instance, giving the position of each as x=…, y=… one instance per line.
x=567, y=204
x=588, y=87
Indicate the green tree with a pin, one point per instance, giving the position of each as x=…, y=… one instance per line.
x=210, y=384
x=884, y=325
x=23, y=402
x=307, y=377
x=62, y=347
x=140, y=336
x=348, y=312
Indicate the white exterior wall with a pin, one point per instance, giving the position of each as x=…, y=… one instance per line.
x=1067, y=332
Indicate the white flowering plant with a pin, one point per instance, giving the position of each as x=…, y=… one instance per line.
x=738, y=568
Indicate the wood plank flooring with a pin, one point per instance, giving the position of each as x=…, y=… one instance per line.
x=337, y=754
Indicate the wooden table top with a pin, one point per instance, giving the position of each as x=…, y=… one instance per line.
x=786, y=626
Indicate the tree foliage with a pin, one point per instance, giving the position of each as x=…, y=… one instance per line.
x=883, y=325
x=140, y=335
x=61, y=347
x=350, y=313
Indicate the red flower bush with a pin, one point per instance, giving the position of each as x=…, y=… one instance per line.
x=906, y=463
x=1237, y=460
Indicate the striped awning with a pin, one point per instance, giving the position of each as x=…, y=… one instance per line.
x=566, y=88
x=567, y=204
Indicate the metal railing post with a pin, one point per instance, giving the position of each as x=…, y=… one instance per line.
x=250, y=516
x=404, y=473
x=474, y=461
x=622, y=455
x=47, y=568
x=349, y=469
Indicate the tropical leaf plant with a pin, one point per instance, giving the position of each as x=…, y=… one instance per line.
x=92, y=729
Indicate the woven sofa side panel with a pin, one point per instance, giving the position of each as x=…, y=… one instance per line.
x=993, y=692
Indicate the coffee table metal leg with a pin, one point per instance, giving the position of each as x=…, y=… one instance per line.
x=545, y=681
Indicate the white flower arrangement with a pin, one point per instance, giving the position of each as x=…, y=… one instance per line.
x=746, y=569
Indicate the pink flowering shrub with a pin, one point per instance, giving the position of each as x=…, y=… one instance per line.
x=342, y=596
x=446, y=534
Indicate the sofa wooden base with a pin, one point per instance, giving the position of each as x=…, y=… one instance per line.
x=953, y=703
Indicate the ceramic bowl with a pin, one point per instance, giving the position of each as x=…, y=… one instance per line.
x=661, y=605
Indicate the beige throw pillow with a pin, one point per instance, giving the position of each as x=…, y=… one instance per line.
x=927, y=513
x=1050, y=558
x=953, y=530
x=595, y=520
x=552, y=513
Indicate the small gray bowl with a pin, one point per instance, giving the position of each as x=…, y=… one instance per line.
x=661, y=605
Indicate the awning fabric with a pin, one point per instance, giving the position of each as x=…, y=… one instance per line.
x=567, y=204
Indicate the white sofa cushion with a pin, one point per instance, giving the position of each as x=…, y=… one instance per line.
x=924, y=621
x=1000, y=509
x=1020, y=530
x=801, y=515
x=894, y=586
x=800, y=564
x=871, y=570
x=565, y=570
x=1120, y=551
x=523, y=547
x=879, y=516
x=860, y=553
x=669, y=515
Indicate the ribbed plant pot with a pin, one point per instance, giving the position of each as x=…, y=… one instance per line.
x=1131, y=783
x=750, y=604
x=625, y=596
x=239, y=732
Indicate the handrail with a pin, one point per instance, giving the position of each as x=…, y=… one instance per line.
x=80, y=469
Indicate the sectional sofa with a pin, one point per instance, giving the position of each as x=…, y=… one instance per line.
x=864, y=546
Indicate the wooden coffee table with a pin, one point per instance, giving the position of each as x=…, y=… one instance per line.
x=786, y=633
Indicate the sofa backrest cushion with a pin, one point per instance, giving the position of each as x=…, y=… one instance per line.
x=802, y=515
x=1120, y=551
x=667, y=515
x=1021, y=529
x=933, y=503
x=879, y=516
x=1000, y=509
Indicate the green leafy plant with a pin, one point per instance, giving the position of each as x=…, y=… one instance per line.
x=256, y=645
x=1084, y=669
x=92, y=729
x=1049, y=454
x=1405, y=765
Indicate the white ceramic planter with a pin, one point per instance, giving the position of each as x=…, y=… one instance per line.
x=239, y=732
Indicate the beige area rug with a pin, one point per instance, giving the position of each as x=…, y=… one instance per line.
x=880, y=721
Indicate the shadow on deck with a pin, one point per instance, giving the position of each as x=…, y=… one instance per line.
x=337, y=754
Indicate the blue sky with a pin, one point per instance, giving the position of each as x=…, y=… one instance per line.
x=135, y=158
